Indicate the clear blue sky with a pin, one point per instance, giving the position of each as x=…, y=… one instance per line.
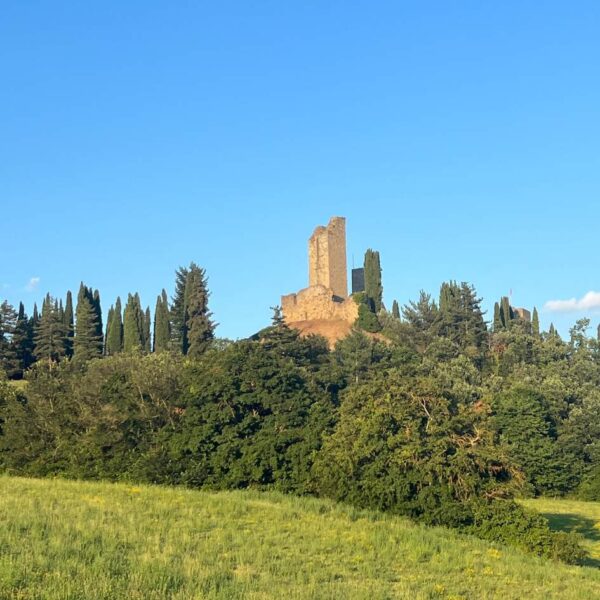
x=460, y=139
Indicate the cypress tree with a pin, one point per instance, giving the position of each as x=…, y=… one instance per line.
x=506, y=312
x=395, y=310
x=99, y=327
x=535, y=322
x=497, y=318
x=147, y=326
x=35, y=316
x=69, y=325
x=198, y=324
x=109, y=318
x=373, y=286
x=50, y=332
x=162, y=325
x=133, y=326
x=114, y=332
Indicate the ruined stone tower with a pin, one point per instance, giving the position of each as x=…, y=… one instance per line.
x=327, y=257
x=324, y=306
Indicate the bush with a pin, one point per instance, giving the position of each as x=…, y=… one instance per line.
x=506, y=522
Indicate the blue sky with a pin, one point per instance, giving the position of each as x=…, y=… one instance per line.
x=461, y=140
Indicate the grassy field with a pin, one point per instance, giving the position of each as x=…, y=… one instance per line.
x=61, y=539
x=571, y=515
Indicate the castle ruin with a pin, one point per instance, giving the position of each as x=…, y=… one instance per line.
x=327, y=257
x=326, y=297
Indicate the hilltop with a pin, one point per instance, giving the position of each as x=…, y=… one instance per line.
x=64, y=539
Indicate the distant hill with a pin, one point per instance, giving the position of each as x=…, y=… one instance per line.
x=62, y=539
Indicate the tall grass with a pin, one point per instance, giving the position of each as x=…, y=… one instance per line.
x=61, y=539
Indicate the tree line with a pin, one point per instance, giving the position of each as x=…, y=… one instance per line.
x=61, y=331
x=438, y=417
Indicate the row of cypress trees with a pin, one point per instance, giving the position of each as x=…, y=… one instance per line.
x=59, y=332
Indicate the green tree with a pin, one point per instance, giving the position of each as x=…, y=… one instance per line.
x=133, y=324
x=535, y=322
x=109, y=318
x=498, y=326
x=50, y=333
x=147, y=327
x=9, y=358
x=178, y=315
x=506, y=312
x=69, y=325
x=114, y=333
x=522, y=417
x=162, y=324
x=395, y=310
x=198, y=324
x=460, y=318
x=22, y=341
x=88, y=340
x=373, y=285
x=99, y=327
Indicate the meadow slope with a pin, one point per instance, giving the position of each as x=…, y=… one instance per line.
x=61, y=539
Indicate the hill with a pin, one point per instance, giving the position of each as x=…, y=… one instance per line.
x=62, y=539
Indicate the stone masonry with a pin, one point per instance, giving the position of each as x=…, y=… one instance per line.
x=326, y=298
x=327, y=257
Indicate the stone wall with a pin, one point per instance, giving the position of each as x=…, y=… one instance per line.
x=317, y=302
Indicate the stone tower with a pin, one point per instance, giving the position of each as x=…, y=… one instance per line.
x=327, y=257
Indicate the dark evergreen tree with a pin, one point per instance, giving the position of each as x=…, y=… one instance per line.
x=109, y=318
x=192, y=329
x=178, y=317
x=9, y=359
x=147, y=327
x=506, y=312
x=198, y=324
x=395, y=310
x=162, y=325
x=498, y=326
x=88, y=339
x=114, y=332
x=460, y=318
x=99, y=327
x=50, y=332
x=22, y=341
x=69, y=325
x=535, y=322
x=373, y=285
x=133, y=324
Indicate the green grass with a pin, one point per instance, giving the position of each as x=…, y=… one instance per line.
x=573, y=515
x=81, y=540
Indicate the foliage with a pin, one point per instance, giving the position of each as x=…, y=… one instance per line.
x=373, y=285
x=367, y=319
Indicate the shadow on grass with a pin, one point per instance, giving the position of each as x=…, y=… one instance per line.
x=576, y=524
